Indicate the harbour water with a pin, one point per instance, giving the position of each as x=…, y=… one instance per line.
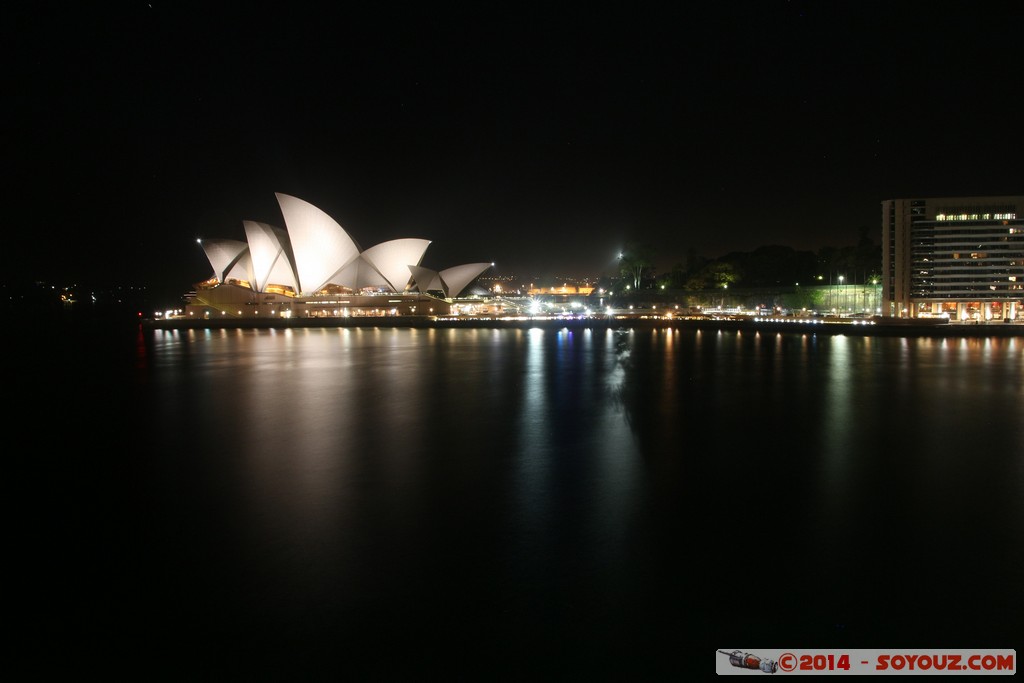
x=490, y=503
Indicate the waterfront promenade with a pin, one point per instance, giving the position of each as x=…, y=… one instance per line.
x=848, y=326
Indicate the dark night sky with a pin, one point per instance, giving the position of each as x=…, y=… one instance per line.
x=539, y=137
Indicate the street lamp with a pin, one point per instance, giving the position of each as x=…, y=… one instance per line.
x=842, y=295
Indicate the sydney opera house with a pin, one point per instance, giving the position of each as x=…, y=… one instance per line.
x=313, y=268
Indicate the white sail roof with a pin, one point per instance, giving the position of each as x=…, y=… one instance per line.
x=226, y=256
x=268, y=247
x=392, y=259
x=320, y=246
x=426, y=279
x=458, y=277
x=313, y=250
x=347, y=276
x=369, y=277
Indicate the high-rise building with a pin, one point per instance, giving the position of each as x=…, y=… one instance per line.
x=956, y=257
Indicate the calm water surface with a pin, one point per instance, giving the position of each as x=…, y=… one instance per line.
x=525, y=502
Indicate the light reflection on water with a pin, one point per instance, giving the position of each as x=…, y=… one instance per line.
x=578, y=491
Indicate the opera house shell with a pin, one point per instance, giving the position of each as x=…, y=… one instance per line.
x=313, y=268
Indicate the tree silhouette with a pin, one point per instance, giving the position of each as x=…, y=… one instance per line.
x=635, y=260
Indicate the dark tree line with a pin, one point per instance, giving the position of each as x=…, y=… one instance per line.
x=767, y=266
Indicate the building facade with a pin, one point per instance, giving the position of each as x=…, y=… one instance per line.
x=955, y=257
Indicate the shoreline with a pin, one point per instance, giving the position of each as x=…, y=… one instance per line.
x=893, y=327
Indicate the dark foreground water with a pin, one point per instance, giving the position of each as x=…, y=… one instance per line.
x=482, y=504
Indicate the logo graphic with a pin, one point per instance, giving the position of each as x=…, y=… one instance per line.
x=746, y=660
